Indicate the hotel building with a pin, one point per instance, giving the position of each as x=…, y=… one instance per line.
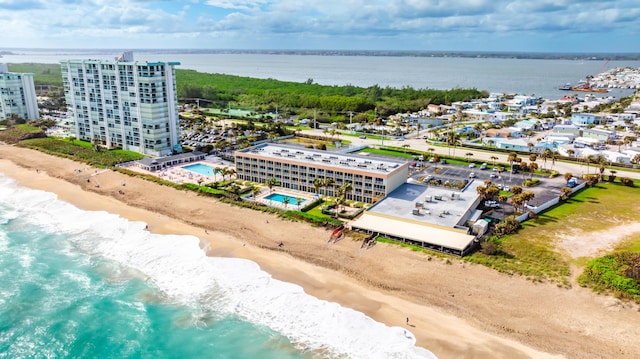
x=17, y=95
x=123, y=103
x=296, y=168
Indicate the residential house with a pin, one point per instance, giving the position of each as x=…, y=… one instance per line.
x=617, y=157
x=585, y=119
x=599, y=134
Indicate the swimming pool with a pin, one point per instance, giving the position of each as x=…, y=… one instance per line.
x=278, y=197
x=200, y=168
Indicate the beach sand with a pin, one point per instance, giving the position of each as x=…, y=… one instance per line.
x=456, y=310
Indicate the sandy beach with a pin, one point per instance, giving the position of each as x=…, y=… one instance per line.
x=456, y=310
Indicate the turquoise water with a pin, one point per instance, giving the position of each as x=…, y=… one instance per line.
x=79, y=284
x=201, y=169
x=278, y=197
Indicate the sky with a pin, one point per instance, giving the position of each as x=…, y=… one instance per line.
x=576, y=26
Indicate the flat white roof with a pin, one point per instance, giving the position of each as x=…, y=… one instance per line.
x=414, y=230
x=315, y=157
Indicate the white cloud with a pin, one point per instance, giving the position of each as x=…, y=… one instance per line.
x=334, y=23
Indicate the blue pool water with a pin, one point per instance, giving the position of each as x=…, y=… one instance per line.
x=200, y=168
x=278, y=197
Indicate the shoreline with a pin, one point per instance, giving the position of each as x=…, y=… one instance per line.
x=457, y=310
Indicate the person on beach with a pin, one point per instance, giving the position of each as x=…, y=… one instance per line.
x=407, y=320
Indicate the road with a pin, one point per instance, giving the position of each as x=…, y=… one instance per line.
x=484, y=155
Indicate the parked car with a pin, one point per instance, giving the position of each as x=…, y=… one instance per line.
x=472, y=165
x=493, y=175
x=507, y=188
x=363, y=137
x=472, y=175
x=492, y=204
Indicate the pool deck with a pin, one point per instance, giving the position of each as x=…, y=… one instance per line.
x=261, y=197
x=178, y=174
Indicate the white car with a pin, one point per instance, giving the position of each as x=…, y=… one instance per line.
x=507, y=188
x=492, y=204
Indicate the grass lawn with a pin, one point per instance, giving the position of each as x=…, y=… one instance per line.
x=315, y=142
x=532, y=251
x=17, y=133
x=387, y=152
x=80, y=151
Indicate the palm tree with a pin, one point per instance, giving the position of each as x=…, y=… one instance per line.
x=342, y=195
x=405, y=146
x=230, y=172
x=285, y=201
x=571, y=152
x=511, y=158
x=255, y=190
x=452, y=140
x=533, y=166
x=317, y=184
x=328, y=182
x=482, y=192
x=216, y=171
x=272, y=182
x=468, y=155
x=588, y=160
x=493, y=160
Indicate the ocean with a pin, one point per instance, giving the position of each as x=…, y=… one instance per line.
x=79, y=284
x=539, y=77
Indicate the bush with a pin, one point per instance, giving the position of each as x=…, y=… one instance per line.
x=619, y=272
x=508, y=226
x=626, y=181
x=311, y=205
x=489, y=248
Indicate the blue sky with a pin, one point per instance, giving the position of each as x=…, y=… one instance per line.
x=421, y=25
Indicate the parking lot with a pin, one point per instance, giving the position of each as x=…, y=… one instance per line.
x=547, y=189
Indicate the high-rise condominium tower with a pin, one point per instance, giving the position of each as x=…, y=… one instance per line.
x=17, y=95
x=123, y=103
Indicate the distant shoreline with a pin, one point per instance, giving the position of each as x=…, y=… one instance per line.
x=389, y=53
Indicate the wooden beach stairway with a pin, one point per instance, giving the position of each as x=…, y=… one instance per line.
x=369, y=241
x=337, y=234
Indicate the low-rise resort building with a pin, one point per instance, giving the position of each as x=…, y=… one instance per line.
x=297, y=168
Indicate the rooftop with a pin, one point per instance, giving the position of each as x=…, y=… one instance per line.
x=426, y=214
x=305, y=155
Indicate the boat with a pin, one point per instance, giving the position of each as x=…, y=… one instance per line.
x=586, y=87
x=565, y=87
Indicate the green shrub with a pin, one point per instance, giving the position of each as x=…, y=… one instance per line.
x=626, y=181
x=311, y=205
x=531, y=182
x=618, y=272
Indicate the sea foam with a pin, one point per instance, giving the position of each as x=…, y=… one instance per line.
x=180, y=269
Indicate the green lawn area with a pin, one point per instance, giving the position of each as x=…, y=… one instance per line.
x=387, y=152
x=14, y=134
x=532, y=252
x=80, y=151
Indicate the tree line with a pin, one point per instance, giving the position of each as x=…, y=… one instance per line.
x=293, y=97
x=298, y=96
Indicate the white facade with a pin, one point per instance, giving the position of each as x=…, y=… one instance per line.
x=17, y=95
x=124, y=104
x=296, y=168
